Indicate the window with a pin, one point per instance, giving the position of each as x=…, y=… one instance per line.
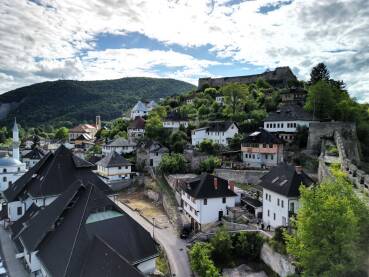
x=266, y=196
x=268, y=212
x=271, y=145
x=264, y=145
x=282, y=125
x=223, y=200
x=273, y=216
x=205, y=201
x=19, y=211
x=278, y=202
x=282, y=203
x=270, y=198
x=119, y=167
x=4, y=170
x=4, y=179
x=10, y=183
x=272, y=157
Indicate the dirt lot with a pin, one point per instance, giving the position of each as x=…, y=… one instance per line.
x=148, y=209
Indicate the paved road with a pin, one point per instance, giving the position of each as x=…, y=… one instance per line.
x=14, y=267
x=174, y=247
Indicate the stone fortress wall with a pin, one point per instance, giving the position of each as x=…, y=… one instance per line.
x=278, y=78
x=344, y=136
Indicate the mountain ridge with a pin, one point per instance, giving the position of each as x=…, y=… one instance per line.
x=67, y=102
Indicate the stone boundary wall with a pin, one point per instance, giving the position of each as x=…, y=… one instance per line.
x=355, y=175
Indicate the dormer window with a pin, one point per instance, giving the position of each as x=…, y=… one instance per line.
x=4, y=170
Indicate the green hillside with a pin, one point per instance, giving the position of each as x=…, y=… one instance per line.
x=66, y=102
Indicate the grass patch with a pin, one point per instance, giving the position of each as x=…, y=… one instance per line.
x=162, y=263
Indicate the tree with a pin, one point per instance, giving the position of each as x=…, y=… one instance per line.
x=321, y=100
x=248, y=245
x=200, y=260
x=319, y=73
x=332, y=236
x=173, y=163
x=234, y=94
x=61, y=134
x=302, y=136
x=209, y=164
x=207, y=146
x=178, y=140
x=222, y=247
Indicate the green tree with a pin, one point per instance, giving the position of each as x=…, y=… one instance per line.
x=209, y=164
x=208, y=146
x=234, y=95
x=178, y=140
x=222, y=247
x=321, y=100
x=319, y=73
x=248, y=245
x=61, y=134
x=173, y=163
x=200, y=260
x=332, y=236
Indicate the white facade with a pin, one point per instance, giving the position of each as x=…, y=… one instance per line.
x=9, y=173
x=134, y=133
x=285, y=126
x=115, y=173
x=199, y=135
x=276, y=208
x=107, y=149
x=140, y=109
x=259, y=159
x=208, y=210
x=175, y=124
x=219, y=99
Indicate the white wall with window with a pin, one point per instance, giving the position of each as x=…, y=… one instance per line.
x=285, y=126
x=276, y=208
x=11, y=173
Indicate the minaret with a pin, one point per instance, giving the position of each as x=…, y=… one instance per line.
x=16, y=143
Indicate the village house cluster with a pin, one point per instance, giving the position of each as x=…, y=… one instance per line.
x=61, y=203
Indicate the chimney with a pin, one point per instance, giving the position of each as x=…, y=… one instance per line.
x=215, y=183
x=231, y=185
x=298, y=169
x=98, y=122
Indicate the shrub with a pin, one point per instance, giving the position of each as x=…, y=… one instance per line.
x=210, y=164
x=247, y=245
x=200, y=260
x=174, y=163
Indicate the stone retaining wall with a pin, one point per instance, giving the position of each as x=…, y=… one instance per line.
x=240, y=176
x=276, y=261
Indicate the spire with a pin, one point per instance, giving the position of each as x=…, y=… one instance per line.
x=16, y=154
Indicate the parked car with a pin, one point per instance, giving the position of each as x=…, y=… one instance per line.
x=185, y=232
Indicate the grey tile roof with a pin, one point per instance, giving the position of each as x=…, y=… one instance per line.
x=52, y=175
x=121, y=142
x=68, y=243
x=203, y=187
x=284, y=180
x=262, y=136
x=289, y=112
x=113, y=160
x=35, y=154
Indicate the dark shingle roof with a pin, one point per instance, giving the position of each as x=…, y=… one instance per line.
x=262, y=136
x=175, y=116
x=137, y=123
x=290, y=112
x=110, y=264
x=35, y=154
x=113, y=160
x=203, y=187
x=120, y=142
x=219, y=126
x=52, y=175
x=283, y=179
x=68, y=233
x=17, y=226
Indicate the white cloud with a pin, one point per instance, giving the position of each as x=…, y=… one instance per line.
x=42, y=41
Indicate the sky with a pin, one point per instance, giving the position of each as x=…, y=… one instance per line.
x=44, y=40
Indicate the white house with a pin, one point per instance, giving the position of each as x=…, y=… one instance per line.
x=262, y=149
x=45, y=181
x=281, y=193
x=140, y=109
x=114, y=167
x=78, y=234
x=33, y=156
x=136, y=129
x=119, y=145
x=11, y=169
x=217, y=131
x=150, y=154
x=286, y=120
x=205, y=199
x=174, y=120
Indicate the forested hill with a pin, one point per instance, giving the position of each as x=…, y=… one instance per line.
x=67, y=102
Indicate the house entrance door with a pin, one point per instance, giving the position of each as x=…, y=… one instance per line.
x=220, y=215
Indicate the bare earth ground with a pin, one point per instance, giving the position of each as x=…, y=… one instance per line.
x=137, y=201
